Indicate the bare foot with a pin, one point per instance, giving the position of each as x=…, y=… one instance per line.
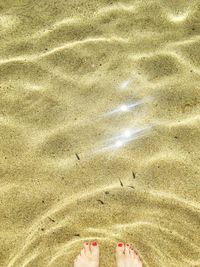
x=89, y=256
x=126, y=256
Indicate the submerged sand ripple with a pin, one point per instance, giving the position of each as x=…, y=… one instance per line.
x=66, y=64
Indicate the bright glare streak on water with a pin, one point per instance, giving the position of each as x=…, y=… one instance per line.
x=124, y=108
x=127, y=107
x=123, y=139
x=118, y=144
x=127, y=133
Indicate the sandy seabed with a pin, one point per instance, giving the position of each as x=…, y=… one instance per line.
x=76, y=163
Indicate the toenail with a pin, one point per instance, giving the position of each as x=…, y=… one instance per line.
x=94, y=243
x=86, y=243
x=120, y=244
x=127, y=244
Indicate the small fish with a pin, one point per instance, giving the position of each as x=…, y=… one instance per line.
x=51, y=219
x=77, y=156
x=133, y=175
x=100, y=201
x=121, y=183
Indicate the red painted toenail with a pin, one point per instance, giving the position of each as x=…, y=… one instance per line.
x=94, y=243
x=120, y=244
x=86, y=243
x=127, y=244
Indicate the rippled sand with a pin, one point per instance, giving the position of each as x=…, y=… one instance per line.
x=64, y=67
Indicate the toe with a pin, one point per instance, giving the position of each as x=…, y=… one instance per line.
x=139, y=263
x=132, y=253
x=87, y=248
x=127, y=249
x=82, y=252
x=120, y=249
x=86, y=244
x=136, y=257
x=94, y=248
x=78, y=258
x=75, y=262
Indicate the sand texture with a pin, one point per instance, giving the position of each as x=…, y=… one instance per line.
x=99, y=130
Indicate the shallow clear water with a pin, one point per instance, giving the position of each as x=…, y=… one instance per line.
x=99, y=130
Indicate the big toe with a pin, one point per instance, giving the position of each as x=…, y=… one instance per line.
x=94, y=248
x=120, y=249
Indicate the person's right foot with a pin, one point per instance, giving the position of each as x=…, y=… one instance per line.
x=126, y=256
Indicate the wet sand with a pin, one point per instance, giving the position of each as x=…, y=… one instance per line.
x=66, y=69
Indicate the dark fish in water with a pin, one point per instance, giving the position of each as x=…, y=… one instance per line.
x=100, y=201
x=77, y=156
x=121, y=183
x=51, y=219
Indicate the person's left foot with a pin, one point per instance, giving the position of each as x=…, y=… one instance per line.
x=89, y=256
